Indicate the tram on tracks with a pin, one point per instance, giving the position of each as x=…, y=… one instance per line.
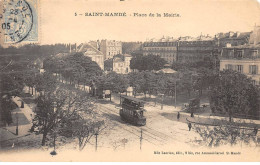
x=132, y=110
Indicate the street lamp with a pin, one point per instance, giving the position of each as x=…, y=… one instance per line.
x=16, y=115
x=96, y=130
x=175, y=93
x=124, y=141
x=162, y=95
x=54, y=132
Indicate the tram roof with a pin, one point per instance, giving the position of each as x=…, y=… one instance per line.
x=133, y=99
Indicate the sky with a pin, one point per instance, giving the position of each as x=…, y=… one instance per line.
x=58, y=23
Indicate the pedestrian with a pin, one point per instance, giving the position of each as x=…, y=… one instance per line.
x=178, y=115
x=255, y=130
x=22, y=104
x=191, y=115
x=189, y=125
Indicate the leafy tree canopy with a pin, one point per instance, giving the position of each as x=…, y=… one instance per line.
x=234, y=93
x=150, y=62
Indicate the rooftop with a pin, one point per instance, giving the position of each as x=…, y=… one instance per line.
x=120, y=57
x=244, y=46
x=233, y=35
x=88, y=49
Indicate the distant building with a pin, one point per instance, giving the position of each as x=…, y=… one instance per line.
x=196, y=49
x=166, y=48
x=110, y=48
x=121, y=64
x=93, y=53
x=189, y=49
x=95, y=44
x=255, y=36
x=184, y=49
x=244, y=58
x=233, y=39
x=131, y=47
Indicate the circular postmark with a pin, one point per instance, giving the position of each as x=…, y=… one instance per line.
x=17, y=20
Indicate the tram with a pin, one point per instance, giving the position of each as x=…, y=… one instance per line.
x=132, y=111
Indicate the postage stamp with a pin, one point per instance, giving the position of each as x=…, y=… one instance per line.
x=19, y=21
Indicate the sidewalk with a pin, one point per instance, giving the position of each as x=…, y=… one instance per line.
x=24, y=116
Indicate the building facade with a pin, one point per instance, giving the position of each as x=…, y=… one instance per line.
x=121, y=64
x=166, y=48
x=93, y=53
x=232, y=39
x=244, y=58
x=110, y=48
x=184, y=49
x=196, y=49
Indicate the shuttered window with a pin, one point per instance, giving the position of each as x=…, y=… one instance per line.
x=240, y=68
x=253, y=69
x=229, y=66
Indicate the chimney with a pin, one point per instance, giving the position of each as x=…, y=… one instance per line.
x=230, y=34
x=75, y=47
x=70, y=48
x=98, y=45
x=255, y=36
x=228, y=45
x=237, y=33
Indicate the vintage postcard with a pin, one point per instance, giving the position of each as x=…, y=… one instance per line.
x=129, y=80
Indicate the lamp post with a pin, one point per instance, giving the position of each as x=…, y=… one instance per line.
x=16, y=115
x=141, y=139
x=162, y=101
x=161, y=95
x=175, y=93
x=54, y=131
x=96, y=129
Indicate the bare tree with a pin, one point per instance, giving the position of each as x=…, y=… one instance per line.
x=84, y=130
x=233, y=133
x=54, y=107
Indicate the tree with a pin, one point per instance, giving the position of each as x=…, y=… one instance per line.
x=45, y=82
x=144, y=82
x=56, y=106
x=75, y=67
x=232, y=93
x=85, y=129
x=112, y=81
x=186, y=82
x=150, y=62
x=137, y=81
x=83, y=125
x=204, y=79
x=5, y=109
x=223, y=134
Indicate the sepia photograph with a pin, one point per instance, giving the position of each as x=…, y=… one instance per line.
x=129, y=81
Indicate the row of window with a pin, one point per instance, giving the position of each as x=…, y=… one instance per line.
x=170, y=55
x=114, y=48
x=160, y=44
x=190, y=58
x=253, y=69
x=114, y=53
x=168, y=48
x=132, y=113
x=240, y=53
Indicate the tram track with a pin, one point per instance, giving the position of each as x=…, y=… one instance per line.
x=147, y=131
x=159, y=138
x=128, y=128
x=151, y=130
